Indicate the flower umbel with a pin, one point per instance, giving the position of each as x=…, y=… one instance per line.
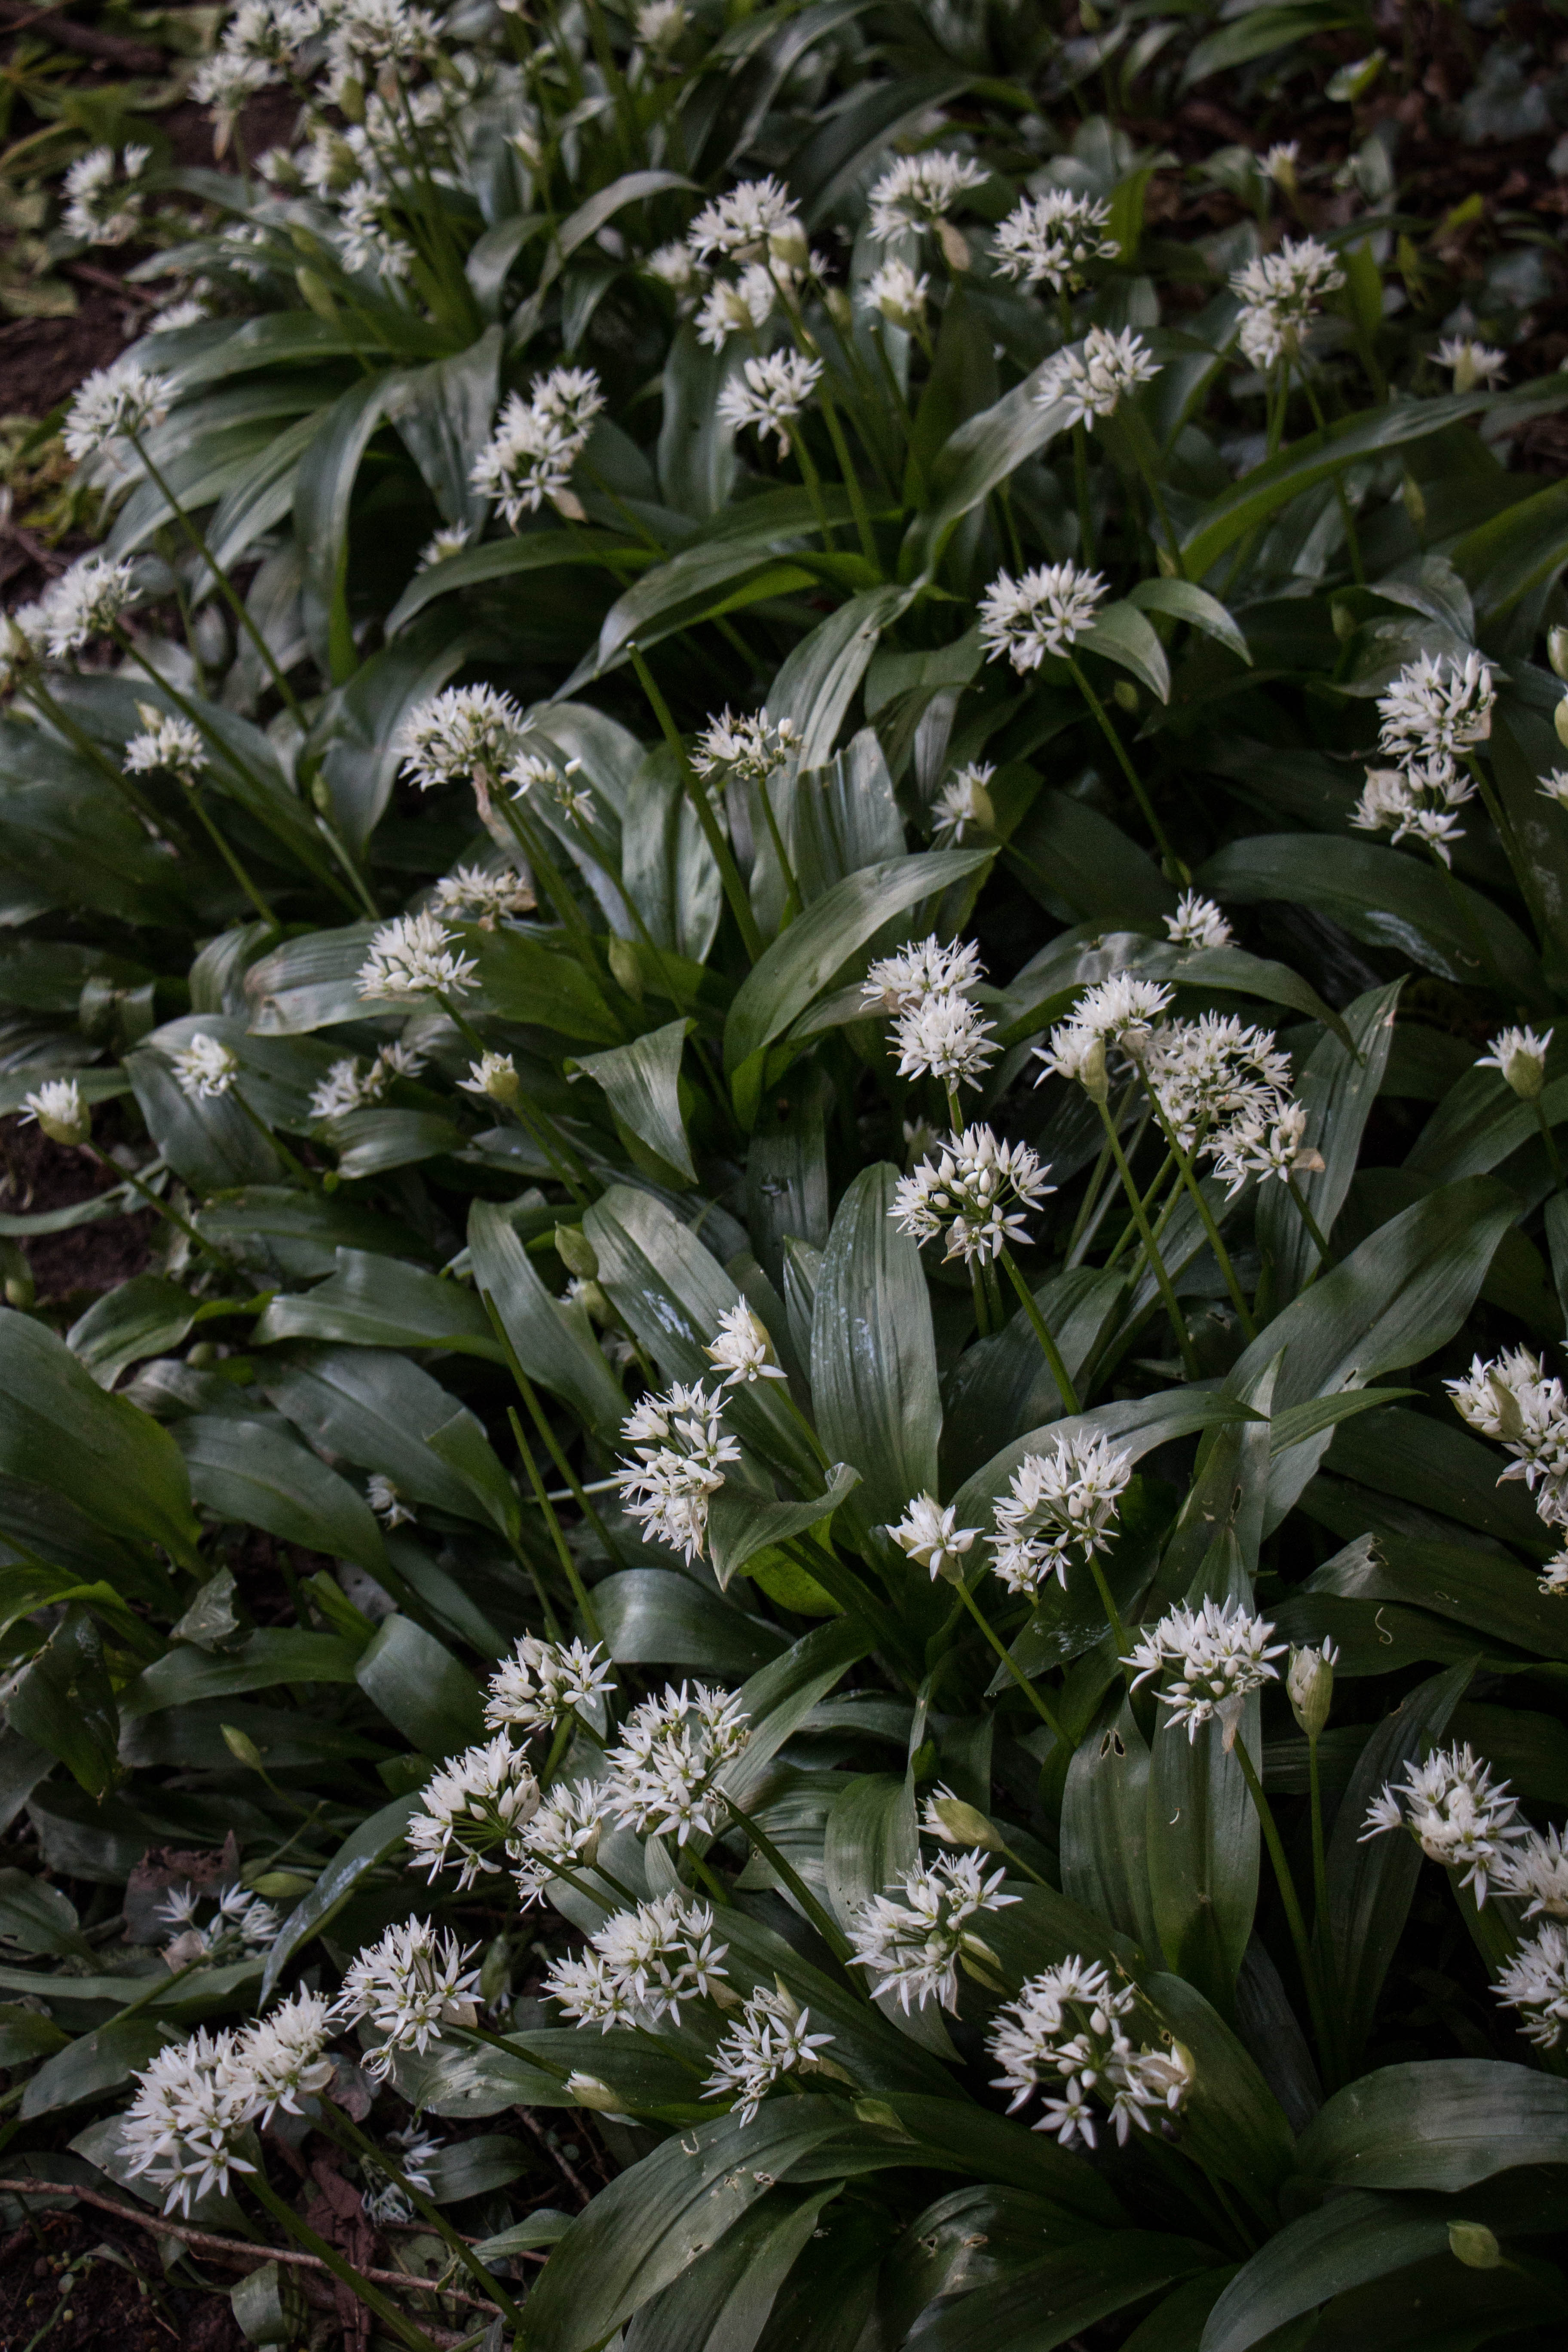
x=409, y=1988
x=975, y=1192
x=913, y=1945
x=1065, y=2030
x=1057, y=1503
x=1457, y=1813
x=1045, y=610
x=1224, y=1653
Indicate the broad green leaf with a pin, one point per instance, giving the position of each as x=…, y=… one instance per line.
x=421, y=1688
x=741, y=1523
x=1478, y=1588
x=826, y=939
x=381, y=1412
x=355, y=738
x=504, y=558
x=375, y=1839
x=696, y=448
x=1120, y=634
x=1261, y=31
x=1052, y=2302
x=1337, y=1087
x=1402, y=1294
x=873, y=1355
x=817, y=681
x=660, y=2215
x=722, y=2302
x=668, y=870
x=1371, y=1884
x=1506, y=557
x=309, y=983
x=1317, y=458
x=292, y=1237
x=260, y=1476
x=1234, y=2126
x=1103, y=1829
x=1178, y=2323
x=99, y=2063
x=642, y=1082
x=36, y=1917
x=1343, y=2244
x=1441, y=1466
x=64, y=1702
x=1134, y=1424
x=322, y=492
x=977, y=456
x=58, y=1427
x=144, y=1317
x=372, y=1301
x=1437, y=2122
x=553, y=1338
x=652, y=1616
x=780, y=1695
x=271, y=1655
x=1076, y=861
x=1381, y=896
x=211, y=1144
x=1182, y=602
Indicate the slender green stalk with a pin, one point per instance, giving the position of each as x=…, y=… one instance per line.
x=1129, y=1232
x=832, y=1935
x=1347, y=513
x=1184, y=1160
x=1048, y=1348
x=541, y=1421
x=341, y=2126
x=1140, y=790
x=1319, y=1858
x=1151, y=1250
x=385, y=2310
x=1014, y=1668
x=1325, y=1254
x=1305, y=1957
x=852, y=482
x=729, y=872
x=232, y=860
x=1551, y=1143
x=562, y=1549
x=1080, y=480
x=1113, y=1615
x=169, y=1216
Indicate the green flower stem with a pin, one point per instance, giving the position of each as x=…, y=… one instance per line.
x=1347, y=513
x=169, y=1216
x=1305, y=1957
x=1325, y=1254
x=1048, y=1348
x=1151, y=474
x=542, y=1422
x=852, y=482
x=818, y=1450
x=1018, y=1864
x=832, y=1935
x=232, y=860
x=385, y=2310
x=1551, y=1143
x=855, y=1600
x=231, y=596
x=558, y=891
x=1482, y=957
x=709, y=1878
x=342, y=2128
x=1113, y=1615
x=1151, y=1250
x=1173, y=865
x=729, y=872
x=1516, y=856
x=1080, y=481
x=1184, y=1160
x=562, y=1549
x=793, y=903
x=1129, y=1232
x=137, y=653
x=1008, y=1660
x=294, y=1166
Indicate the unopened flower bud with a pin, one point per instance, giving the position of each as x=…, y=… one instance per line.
x=1557, y=650
x=589, y=2091
x=1092, y=1075
x=1560, y=720
x=1310, y=1686
x=1472, y=2243
x=955, y=245
x=787, y=242
x=61, y=1112
x=241, y=1747
x=576, y=1252
x=625, y=969
x=495, y=1077
x=1521, y=1055
x=956, y=1823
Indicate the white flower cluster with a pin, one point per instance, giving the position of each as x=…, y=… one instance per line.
x=409, y=1988
x=771, y=2038
x=84, y=602
x=744, y=1349
x=241, y=1924
x=104, y=199
x=912, y=1947
x=753, y=749
x=197, y=2099
x=58, y=1107
x=769, y=393
x=466, y=734
x=660, y=1775
x=1045, y=610
x=1197, y=923
x=930, y=1535
x=898, y=294
x=1280, y=293
x=1436, y=710
x=642, y=1965
x=915, y=191
x=114, y=403
x=1065, y=2028
x=205, y=1067
x=1520, y=1056
x=412, y=957
x=474, y=1807
x=1516, y=1402
x=1535, y=1983
x=754, y=231
x=1457, y=1813
x=542, y=1682
x=1056, y=1503
x=561, y=1838
x=964, y=801
x=1093, y=382
x=166, y=745
x=1535, y=1872
x=536, y=442
x=938, y=1032
x=681, y=1447
x=1223, y=1653
x=348, y=1086
x=1118, y=1013
x=1050, y=241
x=975, y=1192
x=1471, y=362
x=472, y=894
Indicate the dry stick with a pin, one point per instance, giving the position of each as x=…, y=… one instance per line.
x=357, y=2281
x=531, y=2123
x=204, y=2242
x=341, y=2122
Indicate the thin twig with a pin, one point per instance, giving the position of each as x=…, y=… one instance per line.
x=204, y=2242
x=531, y=2123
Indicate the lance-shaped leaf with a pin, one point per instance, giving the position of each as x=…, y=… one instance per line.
x=261, y=1476
x=421, y=1688
x=741, y=1523
x=1182, y=602
x=642, y=1083
x=64, y=1702
x=372, y=1301
x=873, y=1354
x=1344, y=2244
x=360, y=1854
x=381, y=1412
x=1120, y=634
x=1337, y=1087
x=552, y=1337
